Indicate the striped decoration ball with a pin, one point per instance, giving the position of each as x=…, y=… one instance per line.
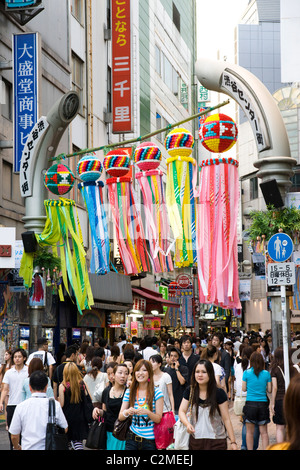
x=89, y=167
x=218, y=133
x=59, y=179
x=179, y=142
x=147, y=156
x=117, y=163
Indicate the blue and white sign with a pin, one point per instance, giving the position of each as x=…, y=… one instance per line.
x=280, y=247
x=20, y=3
x=26, y=74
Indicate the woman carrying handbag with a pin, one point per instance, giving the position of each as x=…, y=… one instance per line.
x=144, y=404
x=76, y=404
x=164, y=430
x=112, y=398
x=210, y=422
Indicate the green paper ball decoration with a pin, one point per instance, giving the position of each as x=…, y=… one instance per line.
x=59, y=179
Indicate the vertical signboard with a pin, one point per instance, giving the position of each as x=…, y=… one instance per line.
x=121, y=67
x=26, y=74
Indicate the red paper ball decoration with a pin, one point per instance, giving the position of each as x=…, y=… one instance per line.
x=218, y=133
x=117, y=163
x=147, y=156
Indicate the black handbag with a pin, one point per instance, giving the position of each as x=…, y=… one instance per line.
x=96, y=438
x=121, y=428
x=56, y=438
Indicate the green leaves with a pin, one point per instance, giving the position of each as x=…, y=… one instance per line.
x=272, y=220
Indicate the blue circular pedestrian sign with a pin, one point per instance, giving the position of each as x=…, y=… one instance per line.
x=280, y=247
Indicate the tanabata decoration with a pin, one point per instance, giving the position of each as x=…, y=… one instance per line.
x=147, y=157
x=218, y=133
x=126, y=217
x=89, y=169
x=62, y=231
x=59, y=179
x=180, y=195
x=217, y=217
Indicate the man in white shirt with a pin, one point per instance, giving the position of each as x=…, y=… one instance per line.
x=31, y=416
x=12, y=384
x=148, y=351
x=43, y=354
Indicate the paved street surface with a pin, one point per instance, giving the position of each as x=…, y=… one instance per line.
x=4, y=442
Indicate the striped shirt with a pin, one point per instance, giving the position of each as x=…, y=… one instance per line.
x=142, y=425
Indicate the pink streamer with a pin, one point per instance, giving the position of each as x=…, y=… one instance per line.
x=217, y=234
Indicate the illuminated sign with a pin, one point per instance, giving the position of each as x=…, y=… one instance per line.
x=121, y=67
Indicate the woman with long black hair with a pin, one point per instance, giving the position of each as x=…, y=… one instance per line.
x=204, y=411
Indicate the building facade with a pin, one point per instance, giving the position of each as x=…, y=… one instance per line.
x=79, y=57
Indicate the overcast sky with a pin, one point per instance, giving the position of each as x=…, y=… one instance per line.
x=215, y=26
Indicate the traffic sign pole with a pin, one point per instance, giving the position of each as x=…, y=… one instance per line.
x=280, y=249
x=285, y=338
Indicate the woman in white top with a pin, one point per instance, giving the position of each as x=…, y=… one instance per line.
x=163, y=381
x=212, y=354
x=96, y=381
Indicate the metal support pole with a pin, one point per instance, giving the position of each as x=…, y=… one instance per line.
x=285, y=337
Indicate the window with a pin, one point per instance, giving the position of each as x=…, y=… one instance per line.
x=10, y=184
x=77, y=78
x=161, y=123
x=253, y=188
x=109, y=94
x=77, y=10
x=176, y=17
x=6, y=99
x=158, y=60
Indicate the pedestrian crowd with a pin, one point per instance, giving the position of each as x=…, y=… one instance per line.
x=158, y=391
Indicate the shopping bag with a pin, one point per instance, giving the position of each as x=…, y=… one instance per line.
x=164, y=431
x=96, y=438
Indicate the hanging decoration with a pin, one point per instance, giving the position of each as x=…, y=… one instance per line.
x=127, y=220
x=218, y=133
x=89, y=169
x=62, y=231
x=147, y=157
x=180, y=195
x=59, y=179
x=217, y=232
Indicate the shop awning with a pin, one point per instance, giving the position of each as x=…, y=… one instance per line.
x=154, y=296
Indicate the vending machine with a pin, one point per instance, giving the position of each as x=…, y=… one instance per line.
x=48, y=333
x=24, y=338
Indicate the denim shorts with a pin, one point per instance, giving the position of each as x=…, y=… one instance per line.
x=257, y=412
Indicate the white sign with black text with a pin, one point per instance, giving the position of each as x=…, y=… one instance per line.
x=281, y=274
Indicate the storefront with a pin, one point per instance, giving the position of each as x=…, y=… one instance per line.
x=147, y=313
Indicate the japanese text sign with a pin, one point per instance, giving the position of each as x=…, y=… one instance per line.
x=25, y=62
x=121, y=67
x=238, y=90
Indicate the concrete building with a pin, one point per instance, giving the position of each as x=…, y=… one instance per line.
x=79, y=57
x=259, y=50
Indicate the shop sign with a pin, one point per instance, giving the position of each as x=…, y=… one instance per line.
x=121, y=67
x=152, y=323
x=26, y=52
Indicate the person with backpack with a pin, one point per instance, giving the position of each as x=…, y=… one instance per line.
x=45, y=356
